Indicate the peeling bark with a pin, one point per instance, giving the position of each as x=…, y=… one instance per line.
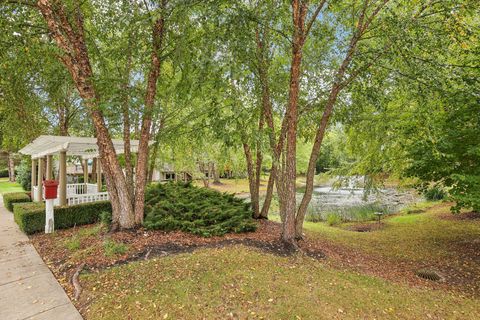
x=289, y=173
x=254, y=196
x=11, y=167
x=126, y=122
x=69, y=37
x=142, y=158
x=364, y=21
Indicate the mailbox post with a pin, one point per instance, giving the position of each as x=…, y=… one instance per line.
x=50, y=194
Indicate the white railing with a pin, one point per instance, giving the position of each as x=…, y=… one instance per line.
x=92, y=188
x=88, y=197
x=78, y=193
x=80, y=188
x=34, y=193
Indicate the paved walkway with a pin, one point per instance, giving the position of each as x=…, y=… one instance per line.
x=28, y=290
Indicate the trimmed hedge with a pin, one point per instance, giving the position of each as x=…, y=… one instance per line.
x=14, y=197
x=30, y=217
x=3, y=173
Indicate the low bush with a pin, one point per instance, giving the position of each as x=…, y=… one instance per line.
x=333, y=219
x=434, y=193
x=30, y=217
x=106, y=218
x=14, y=197
x=24, y=174
x=201, y=211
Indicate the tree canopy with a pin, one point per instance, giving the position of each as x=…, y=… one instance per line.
x=285, y=87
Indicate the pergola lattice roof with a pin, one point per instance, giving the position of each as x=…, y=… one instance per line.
x=85, y=147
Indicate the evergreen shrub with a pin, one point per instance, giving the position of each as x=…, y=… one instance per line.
x=201, y=211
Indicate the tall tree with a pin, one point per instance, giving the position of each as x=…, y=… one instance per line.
x=66, y=25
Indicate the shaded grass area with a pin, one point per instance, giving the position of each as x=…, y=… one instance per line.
x=6, y=186
x=240, y=283
x=424, y=236
x=364, y=276
x=417, y=236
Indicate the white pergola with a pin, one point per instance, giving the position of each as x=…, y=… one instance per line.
x=42, y=150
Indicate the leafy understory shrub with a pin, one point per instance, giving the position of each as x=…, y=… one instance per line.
x=30, y=217
x=24, y=174
x=201, y=211
x=112, y=248
x=14, y=197
x=434, y=194
x=333, y=219
x=106, y=218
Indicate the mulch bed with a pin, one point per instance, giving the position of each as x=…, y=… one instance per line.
x=145, y=244
x=366, y=227
x=461, y=216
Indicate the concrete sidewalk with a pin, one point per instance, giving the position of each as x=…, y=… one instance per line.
x=28, y=290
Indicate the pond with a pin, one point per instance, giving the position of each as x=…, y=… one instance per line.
x=352, y=204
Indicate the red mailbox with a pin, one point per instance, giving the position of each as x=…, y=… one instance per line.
x=50, y=189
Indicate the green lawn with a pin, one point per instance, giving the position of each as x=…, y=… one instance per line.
x=6, y=186
x=419, y=237
x=242, y=283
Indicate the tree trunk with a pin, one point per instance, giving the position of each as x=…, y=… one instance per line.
x=266, y=115
x=142, y=156
x=11, y=167
x=126, y=122
x=338, y=85
x=269, y=194
x=156, y=147
x=216, y=174
x=254, y=196
x=63, y=120
x=69, y=36
x=307, y=196
x=288, y=198
x=93, y=176
x=205, y=174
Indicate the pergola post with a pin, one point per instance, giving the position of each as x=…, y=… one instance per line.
x=40, y=179
x=85, y=174
x=99, y=176
x=62, y=194
x=48, y=174
x=34, y=173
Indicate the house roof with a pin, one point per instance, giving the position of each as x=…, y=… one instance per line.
x=86, y=147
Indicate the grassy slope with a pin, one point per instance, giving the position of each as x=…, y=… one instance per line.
x=240, y=283
x=245, y=283
x=236, y=186
x=6, y=186
x=423, y=236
